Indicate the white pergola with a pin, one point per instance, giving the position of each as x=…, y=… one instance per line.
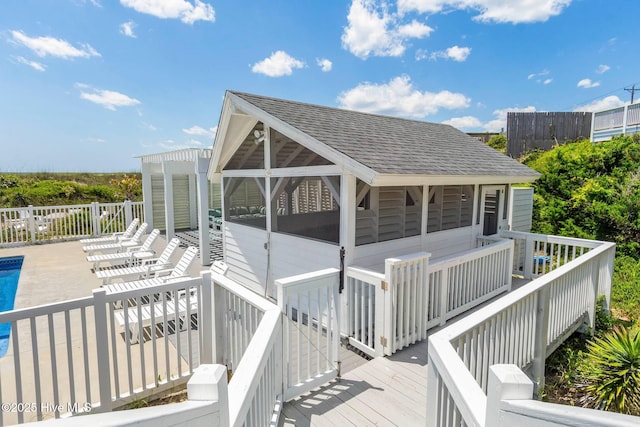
x=193, y=162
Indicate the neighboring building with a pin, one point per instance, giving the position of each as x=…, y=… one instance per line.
x=616, y=121
x=483, y=137
x=302, y=181
x=544, y=130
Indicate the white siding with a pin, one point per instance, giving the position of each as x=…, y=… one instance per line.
x=373, y=255
x=521, y=209
x=246, y=256
x=291, y=255
x=448, y=242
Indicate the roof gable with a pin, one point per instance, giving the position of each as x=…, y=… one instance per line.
x=390, y=145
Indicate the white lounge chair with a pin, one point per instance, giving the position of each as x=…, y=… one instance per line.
x=154, y=314
x=129, y=255
x=121, y=245
x=114, y=237
x=160, y=268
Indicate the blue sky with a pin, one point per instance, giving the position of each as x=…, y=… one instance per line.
x=87, y=85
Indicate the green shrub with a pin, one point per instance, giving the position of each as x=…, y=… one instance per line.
x=614, y=372
x=498, y=142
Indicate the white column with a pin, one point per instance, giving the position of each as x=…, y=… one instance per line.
x=167, y=174
x=147, y=195
x=202, y=187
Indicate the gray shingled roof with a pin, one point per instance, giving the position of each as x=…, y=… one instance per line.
x=391, y=145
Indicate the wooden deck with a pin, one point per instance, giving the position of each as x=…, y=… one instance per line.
x=385, y=391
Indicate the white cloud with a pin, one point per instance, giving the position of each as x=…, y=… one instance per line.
x=184, y=10
x=43, y=46
x=33, y=64
x=95, y=140
x=373, y=30
x=107, y=98
x=501, y=11
x=277, y=65
x=399, y=98
x=149, y=126
x=457, y=53
x=324, y=64
x=587, y=83
x=126, y=28
x=601, y=104
x=465, y=122
x=538, y=77
x=602, y=68
x=200, y=131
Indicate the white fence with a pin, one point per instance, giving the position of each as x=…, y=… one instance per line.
x=520, y=328
x=54, y=223
x=74, y=356
x=389, y=312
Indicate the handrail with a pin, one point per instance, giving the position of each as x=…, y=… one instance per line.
x=449, y=373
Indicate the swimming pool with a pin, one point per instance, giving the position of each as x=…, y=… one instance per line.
x=9, y=275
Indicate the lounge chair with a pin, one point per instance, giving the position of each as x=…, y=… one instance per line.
x=130, y=255
x=115, y=237
x=154, y=314
x=121, y=245
x=160, y=268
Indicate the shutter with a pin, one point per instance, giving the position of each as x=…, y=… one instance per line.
x=157, y=202
x=181, y=207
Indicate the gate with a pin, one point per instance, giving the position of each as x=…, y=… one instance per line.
x=311, y=331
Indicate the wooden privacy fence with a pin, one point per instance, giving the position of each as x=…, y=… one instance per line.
x=387, y=312
x=520, y=328
x=544, y=130
x=54, y=223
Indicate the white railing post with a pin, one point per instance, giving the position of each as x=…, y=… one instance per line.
x=209, y=383
x=32, y=223
x=509, y=267
x=444, y=295
x=206, y=314
x=102, y=348
x=540, y=344
x=388, y=336
x=219, y=324
x=528, y=257
x=506, y=382
x=128, y=212
x=95, y=218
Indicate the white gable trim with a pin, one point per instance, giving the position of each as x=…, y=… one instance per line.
x=362, y=172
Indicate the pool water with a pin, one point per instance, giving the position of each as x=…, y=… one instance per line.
x=9, y=275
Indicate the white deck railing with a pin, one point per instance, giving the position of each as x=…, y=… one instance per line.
x=71, y=356
x=387, y=312
x=520, y=328
x=616, y=121
x=54, y=223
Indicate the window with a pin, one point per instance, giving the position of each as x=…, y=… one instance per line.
x=450, y=206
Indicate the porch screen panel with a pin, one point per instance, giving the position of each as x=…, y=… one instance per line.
x=244, y=201
x=395, y=214
x=307, y=207
x=450, y=206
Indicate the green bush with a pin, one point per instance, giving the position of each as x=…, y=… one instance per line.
x=614, y=372
x=498, y=142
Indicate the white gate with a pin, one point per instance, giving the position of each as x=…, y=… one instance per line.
x=311, y=332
